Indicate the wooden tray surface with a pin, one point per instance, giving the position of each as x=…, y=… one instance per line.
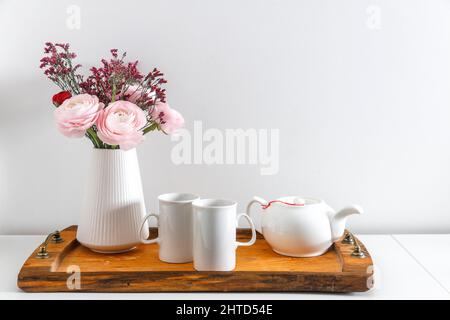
x=258, y=269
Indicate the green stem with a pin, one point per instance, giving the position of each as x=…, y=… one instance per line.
x=95, y=139
x=113, y=95
x=89, y=136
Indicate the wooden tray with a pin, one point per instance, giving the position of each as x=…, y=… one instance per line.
x=258, y=269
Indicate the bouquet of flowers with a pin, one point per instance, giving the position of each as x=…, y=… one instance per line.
x=115, y=106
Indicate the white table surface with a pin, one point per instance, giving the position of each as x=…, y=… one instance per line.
x=406, y=267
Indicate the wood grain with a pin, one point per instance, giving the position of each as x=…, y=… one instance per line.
x=258, y=268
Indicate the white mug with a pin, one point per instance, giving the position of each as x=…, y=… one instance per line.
x=215, y=244
x=174, y=227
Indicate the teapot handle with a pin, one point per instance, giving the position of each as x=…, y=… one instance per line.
x=262, y=202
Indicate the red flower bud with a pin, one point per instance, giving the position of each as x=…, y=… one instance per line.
x=59, y=98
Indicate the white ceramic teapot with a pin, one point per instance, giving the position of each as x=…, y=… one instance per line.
x=301, y=227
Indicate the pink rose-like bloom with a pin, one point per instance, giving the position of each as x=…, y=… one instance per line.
x=135, y=92
x=77, y=114
x=120, y=123
x=169, y=119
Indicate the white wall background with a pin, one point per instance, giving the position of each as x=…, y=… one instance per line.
x=363, y=113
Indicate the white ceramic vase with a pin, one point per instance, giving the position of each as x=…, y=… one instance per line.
x=114, y=202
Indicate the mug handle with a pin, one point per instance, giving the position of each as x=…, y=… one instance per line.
x=253, y=239
x=143, y=240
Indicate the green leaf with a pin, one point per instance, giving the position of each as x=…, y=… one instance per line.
x=151, y=128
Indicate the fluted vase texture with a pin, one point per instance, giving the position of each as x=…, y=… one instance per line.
x=114, y=205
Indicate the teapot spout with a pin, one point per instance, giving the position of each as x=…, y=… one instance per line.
x=339, y=220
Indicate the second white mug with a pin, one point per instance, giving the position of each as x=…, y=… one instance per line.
x=174, y=227
x=215, y=244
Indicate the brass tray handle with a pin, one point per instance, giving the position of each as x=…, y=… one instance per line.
x=357, y=251
x=54, y=237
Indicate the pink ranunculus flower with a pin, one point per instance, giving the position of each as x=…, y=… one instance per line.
x=77, y=114
x=120, y=123
x=134, y=92
x=170, y=120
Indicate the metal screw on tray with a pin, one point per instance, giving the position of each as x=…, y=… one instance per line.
x=42, y=252
x=54, y=237
x=348, y=239
x=357, y=251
